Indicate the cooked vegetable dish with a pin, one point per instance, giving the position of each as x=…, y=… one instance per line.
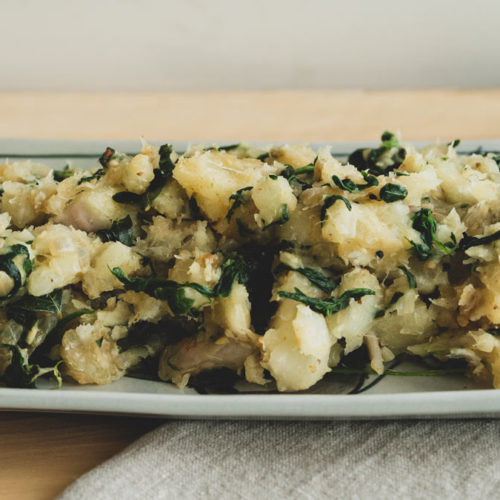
x=276, y=265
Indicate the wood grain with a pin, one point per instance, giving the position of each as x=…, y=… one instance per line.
x=40, y=454
x=268, y=116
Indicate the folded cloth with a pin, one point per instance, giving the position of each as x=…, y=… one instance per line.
x=350, y=460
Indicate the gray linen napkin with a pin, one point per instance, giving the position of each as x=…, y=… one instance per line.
x=437, y=459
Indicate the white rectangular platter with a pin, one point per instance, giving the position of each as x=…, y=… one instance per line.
x=394, y=397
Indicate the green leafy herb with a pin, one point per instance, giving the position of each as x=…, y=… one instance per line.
x=293, y=174
x=364, y=372
x=95, y=176
x=329, y=201
x=120, y=230
x=346, y=184
x=412, y=282
x=104, y=160
x=161, y=176
x=317, y=278
x=389, y=140
x=251, y=266
x=228, y=147
x=395, y=298
x=54, y=337
x=393, y=192
x=237, y=198
x=9, y=267
x=106, y=157
x=472, y=241
x=351, y=187
x=454, y=143
x=128, y=198
x=381, y=312
x=387, y=157
x=426, y=225
x=260, y=260
x=60, y=175
x=21, y=374
x=165, y=163
x=24, y=310
x=234, y=269
x=370, y=180
x=328, y=306
x=168, y=290
x=283, y=219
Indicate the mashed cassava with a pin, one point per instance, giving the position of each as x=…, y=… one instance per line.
x=273, y=263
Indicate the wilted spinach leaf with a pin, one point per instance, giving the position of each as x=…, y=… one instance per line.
x=161, y=176
x=472, y=241
x=393, y=192
x=21, y=374
x=171, y=291
x=60, y=175
x=316, y=277
x=329, y=201
x=283, y=219
x=24, y=311
x=371, y=159
x=330, y=305
x=120, y=230
x=426, y=225
x=412, y=282
x=238, y=199
x=106, y=157
x=294, y=175
x=251, y=266
x=8, y=266
x=351, y=187
x=54, y=337
x=234, y=269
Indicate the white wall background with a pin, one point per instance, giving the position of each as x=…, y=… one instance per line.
x=247, y=44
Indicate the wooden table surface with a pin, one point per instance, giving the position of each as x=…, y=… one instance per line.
x=40, y=454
